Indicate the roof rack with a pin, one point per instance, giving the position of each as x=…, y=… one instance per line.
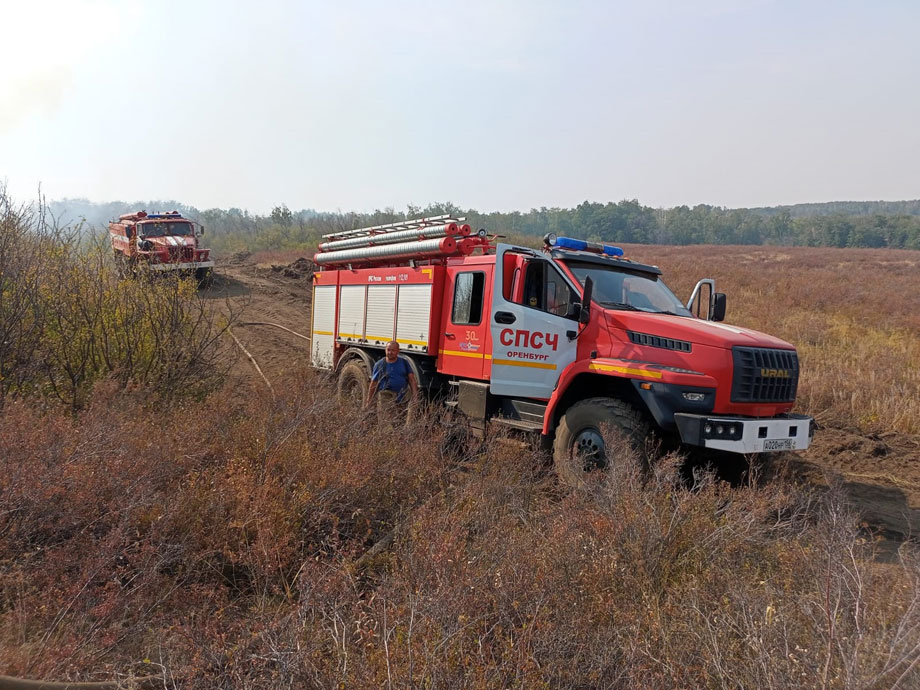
x=416, y=224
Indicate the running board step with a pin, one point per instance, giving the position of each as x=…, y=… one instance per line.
x=519, y=424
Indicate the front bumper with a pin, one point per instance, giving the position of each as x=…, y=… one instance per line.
x=190, y=266
x=746, y=434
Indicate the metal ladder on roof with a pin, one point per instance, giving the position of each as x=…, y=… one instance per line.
x=416, y=224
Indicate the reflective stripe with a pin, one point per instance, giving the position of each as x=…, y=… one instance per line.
x=461, y=353
x=516, y=363
x=626, y=370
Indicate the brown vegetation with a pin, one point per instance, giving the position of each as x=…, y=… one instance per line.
x=216, y=541
x=220, y=539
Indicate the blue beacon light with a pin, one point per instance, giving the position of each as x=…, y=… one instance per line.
x=582, y=245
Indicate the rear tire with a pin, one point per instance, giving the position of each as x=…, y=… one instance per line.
x=353, y=383
x=579, y=446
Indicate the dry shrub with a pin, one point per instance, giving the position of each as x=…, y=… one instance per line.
x=26, y=243
x=219, y=539
x=637, y=583
x=134, y=522
x=67, y=321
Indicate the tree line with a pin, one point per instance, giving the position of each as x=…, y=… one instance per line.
x=835, y=224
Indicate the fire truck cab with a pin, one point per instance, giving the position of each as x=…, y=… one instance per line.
x=558, y=342
x=160, y=242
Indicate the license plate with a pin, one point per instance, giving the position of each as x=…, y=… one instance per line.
x=779, y=444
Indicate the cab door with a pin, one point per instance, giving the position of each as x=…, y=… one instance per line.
x=532, y=332
x=465, y=343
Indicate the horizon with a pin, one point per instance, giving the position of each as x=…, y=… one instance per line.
x=294, y=209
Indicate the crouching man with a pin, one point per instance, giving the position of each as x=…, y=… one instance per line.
x=395, y=387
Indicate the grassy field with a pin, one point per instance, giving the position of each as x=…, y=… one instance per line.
x=239, y=540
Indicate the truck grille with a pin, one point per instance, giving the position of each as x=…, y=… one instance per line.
x=764, y=374
x=181, y=253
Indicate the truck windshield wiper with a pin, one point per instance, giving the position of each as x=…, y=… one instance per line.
x=621, y=305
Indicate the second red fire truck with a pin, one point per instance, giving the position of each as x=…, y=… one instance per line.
x=160, y=242
x=559, y=342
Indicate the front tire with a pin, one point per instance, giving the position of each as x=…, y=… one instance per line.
x=204, y=276
x=353, y=383
x=579, y=446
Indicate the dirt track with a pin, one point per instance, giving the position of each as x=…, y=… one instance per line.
x=881, y=473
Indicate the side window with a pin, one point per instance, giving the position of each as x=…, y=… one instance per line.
x=534, y=294
x=545, y=289
x=468, y=294
x=558, y=293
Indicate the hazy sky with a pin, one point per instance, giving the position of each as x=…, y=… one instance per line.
x=495, y=105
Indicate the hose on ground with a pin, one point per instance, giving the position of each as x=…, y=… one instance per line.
x=255, y=364
x=143, y=683
x=276, y=325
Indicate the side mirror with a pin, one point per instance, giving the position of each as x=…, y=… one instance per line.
x=585, y=314
x=574, y=311
x=717, y=307
x=200, y=230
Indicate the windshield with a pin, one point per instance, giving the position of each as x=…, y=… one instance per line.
x=618, y=289
x=164, y=229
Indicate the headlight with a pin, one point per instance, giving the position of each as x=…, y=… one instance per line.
x=721, y=430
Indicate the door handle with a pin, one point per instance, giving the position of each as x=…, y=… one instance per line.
x=449, y=335
x=504, y=317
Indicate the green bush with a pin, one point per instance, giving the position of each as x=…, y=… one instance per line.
x=67, y=320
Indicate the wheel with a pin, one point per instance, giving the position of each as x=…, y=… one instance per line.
x=458, y=444
x=353, y=383
x=579, y=445
x=204, y=276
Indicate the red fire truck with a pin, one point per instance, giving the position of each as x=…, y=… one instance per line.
x=160, y=242
x=558, y=342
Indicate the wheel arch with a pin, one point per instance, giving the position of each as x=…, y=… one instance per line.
x=590, y=385
x=352, y=354
x=423, y=367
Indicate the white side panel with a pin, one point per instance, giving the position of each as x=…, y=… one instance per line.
x=351, y=313
x=381, y=314
x=321, y=333
x=413, y=317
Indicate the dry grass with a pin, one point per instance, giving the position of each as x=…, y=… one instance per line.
x=218, y=542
